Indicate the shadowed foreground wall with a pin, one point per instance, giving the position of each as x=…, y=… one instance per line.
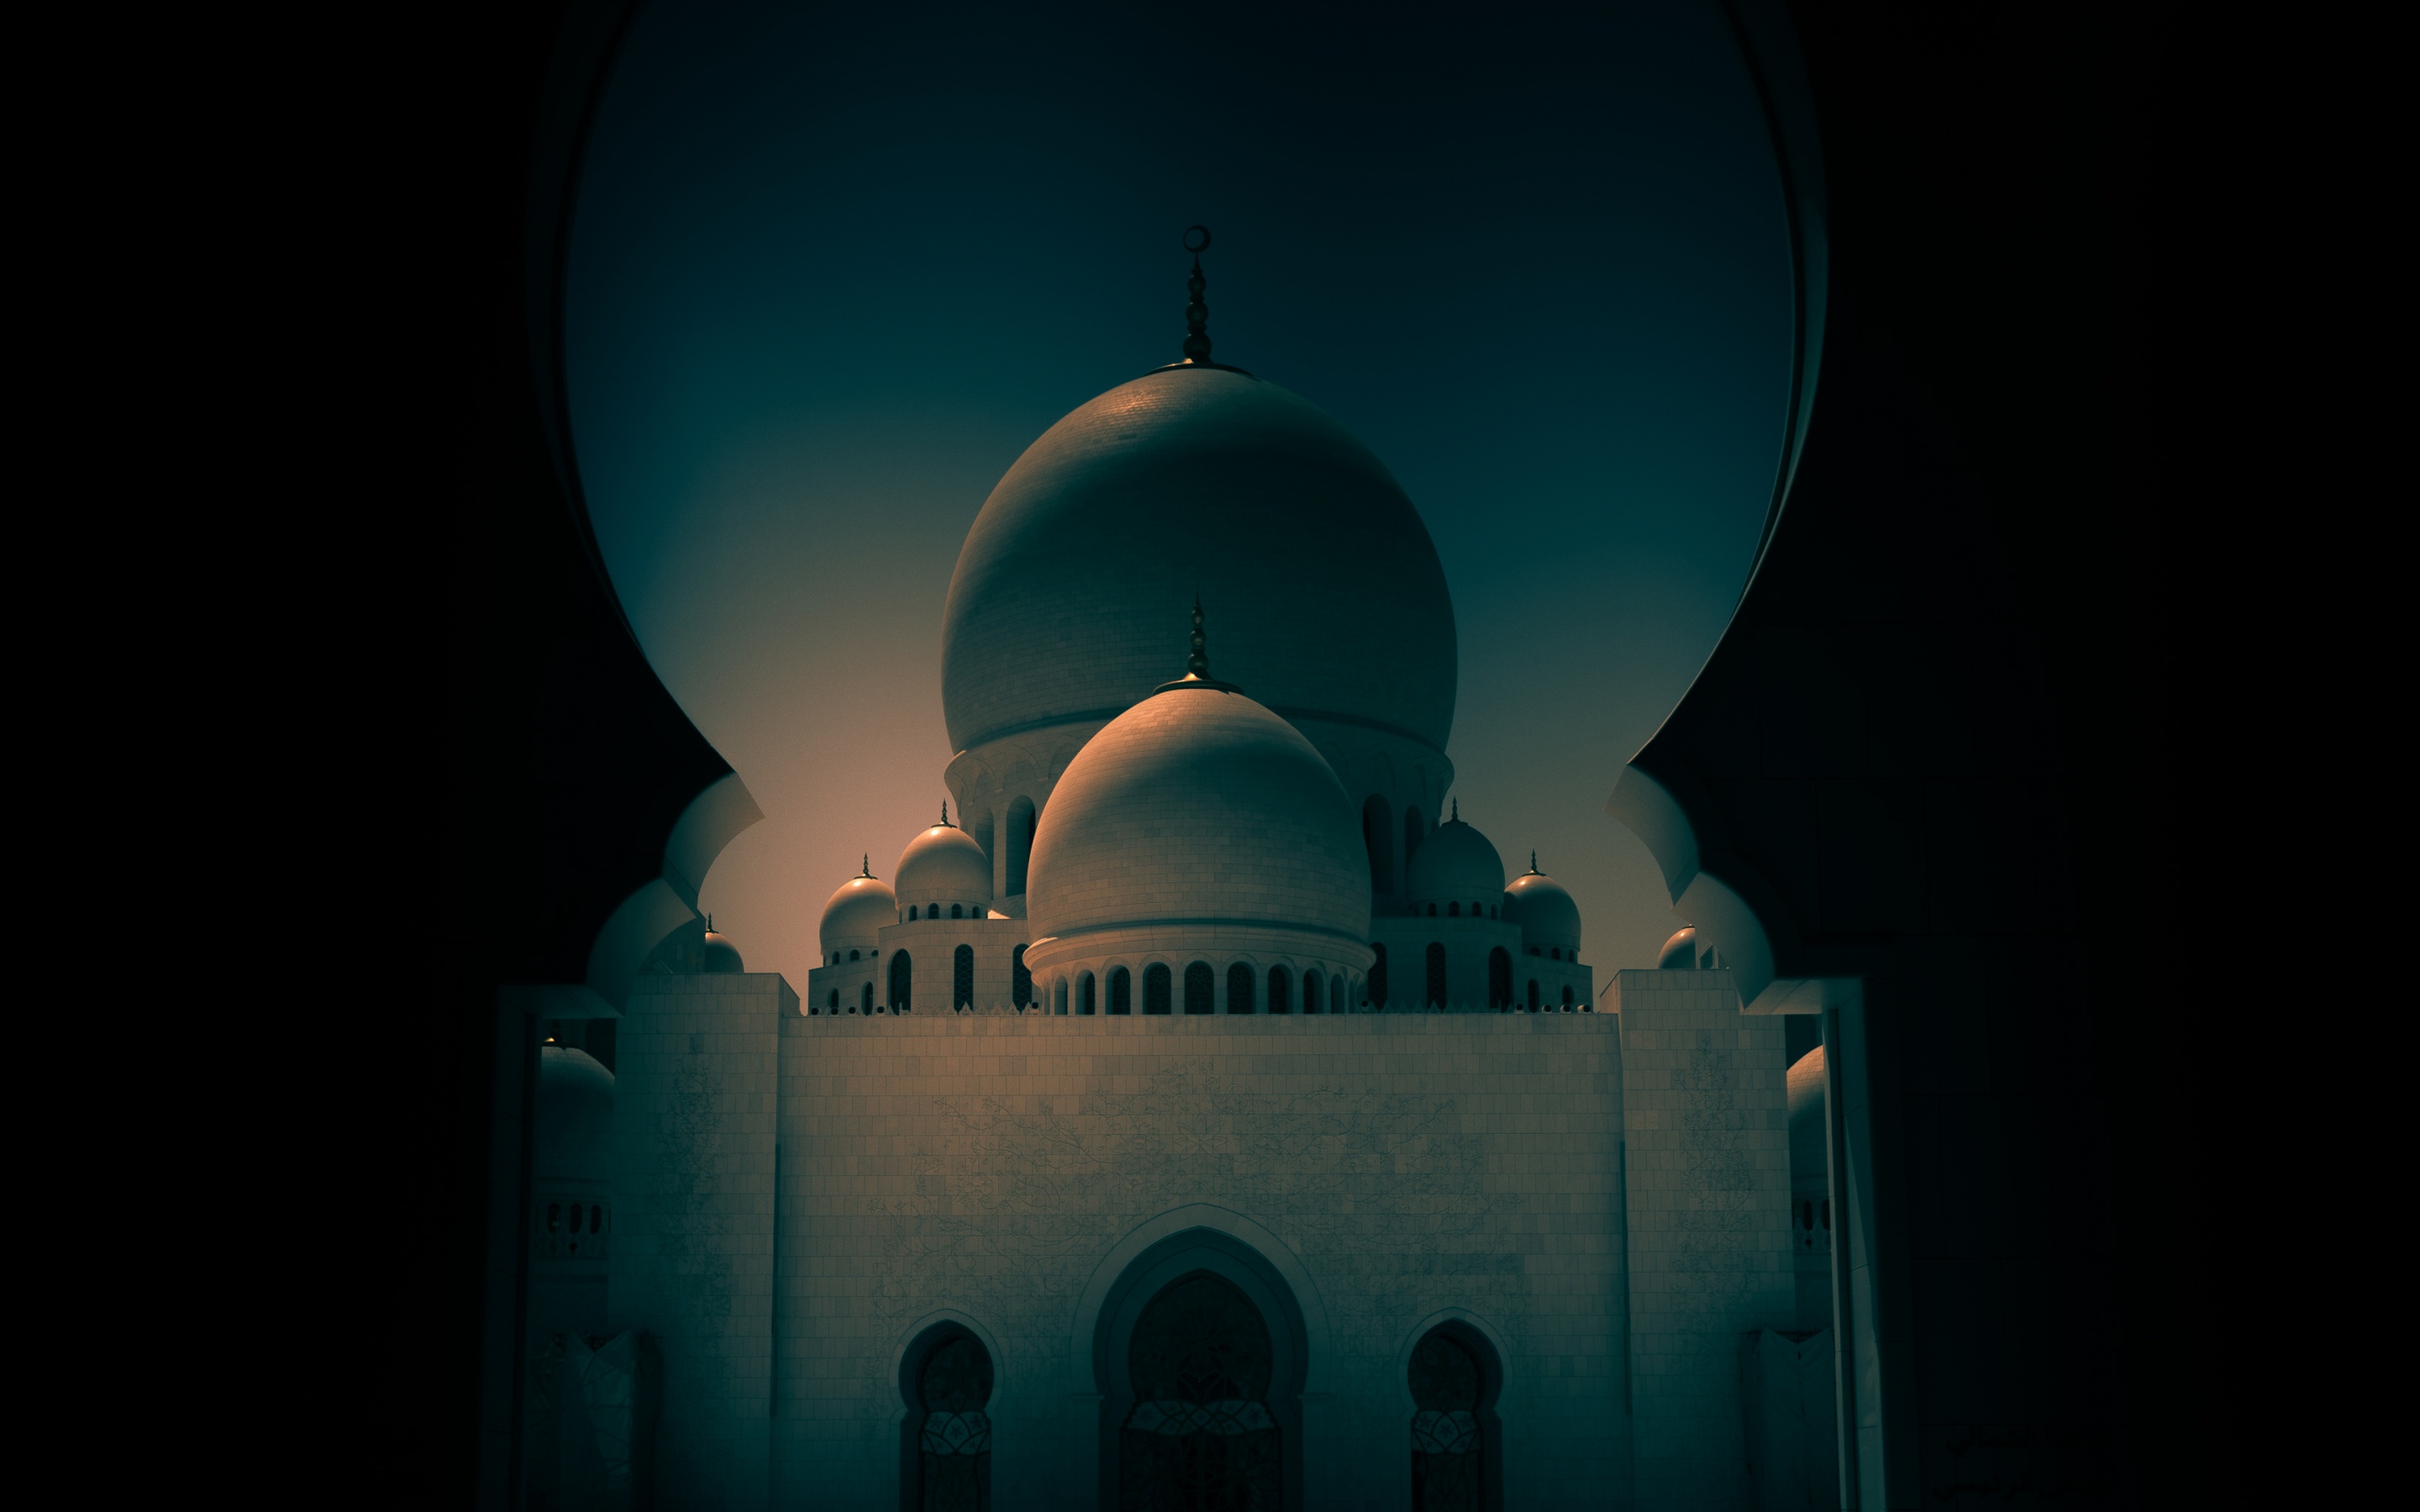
x=986, y=1166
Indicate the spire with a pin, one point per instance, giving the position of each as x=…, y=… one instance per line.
x=945, y=814
x=1197, y=314
x=1534, y=863
x=1197, y=665
x=1457, y=812
x=865, y=866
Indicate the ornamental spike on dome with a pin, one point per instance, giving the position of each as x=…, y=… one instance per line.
x=1534, y=863
x=865, y=865
x=1197, y=665
x=1197, y=311
x=1457, y=812
x=945, y=817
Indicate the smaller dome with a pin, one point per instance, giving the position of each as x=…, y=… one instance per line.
x=1548, y=917
x=721, y=954
x=573, y=1140
x=1685, y=951
x=1807, y=1131
x=944, y=865
x=862, y=904
x=1455, y=863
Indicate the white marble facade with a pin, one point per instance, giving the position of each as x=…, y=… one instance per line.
x=1202, y=990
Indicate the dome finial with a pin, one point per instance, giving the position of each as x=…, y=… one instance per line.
x=1533, y=862
x=945, y=813
x=1457, y=812
x=1197, y=314
x=865, y=865
x=1197, y=665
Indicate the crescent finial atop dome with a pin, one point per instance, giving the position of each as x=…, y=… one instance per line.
x=1197, y=313
x=1197, y=665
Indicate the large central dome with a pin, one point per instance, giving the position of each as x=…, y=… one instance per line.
x=1327, y=592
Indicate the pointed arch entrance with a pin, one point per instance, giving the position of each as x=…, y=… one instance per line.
x=1200, y=1353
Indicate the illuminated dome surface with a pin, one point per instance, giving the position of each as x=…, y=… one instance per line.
x=1455, y=863
x=1326, y=589
x=1198, y=809
x=721, y=956
x=944, y=865
x=861, y=907
x=1547, y=913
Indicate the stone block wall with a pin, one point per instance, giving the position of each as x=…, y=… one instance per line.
x=693, y=1244
x=984, y=1167
x=1706, y=1127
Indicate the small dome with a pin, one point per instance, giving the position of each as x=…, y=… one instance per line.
x=1548, y=917
x=1685, y=951
x=1807, y=1131
x=944, y=865
x=721, y=955
x=573, y=1138
x=1455, y=863
x=1199, y=808
x=864, y=904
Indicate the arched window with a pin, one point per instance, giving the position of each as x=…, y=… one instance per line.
x=1432, y=910
x=962, y=977
x=1280, y=991
x=1310, y=992
x=1377, y=981
x=1021, y=821
x=1154, y=988
x=1199, y=1433
x=1336, y=1000
x=1374, y=835
x=1533, y=991
x=1449, y=1457
x=1534, y=950
x=1084, y=988
x=1058, y=997
x=835, y=1003
x=1020, y=981
x=1201, y=988
x=911, y=911
x=1567, y=995
x=866, y=996
x=1453, y=910
x=902, y=977
x=852, y=955
x=1436, y=976
x=1239, y=988
x=953, y=1431
x=1556, y=954
x=1499, y=977
x=1122, y=991
x=954, y=912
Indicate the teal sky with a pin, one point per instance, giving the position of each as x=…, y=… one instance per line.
x=828, y=280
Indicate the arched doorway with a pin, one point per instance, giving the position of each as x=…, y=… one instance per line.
x=1456, y=1442
x=1200, y=1354
x=1200, y=1434
x=947, y=1381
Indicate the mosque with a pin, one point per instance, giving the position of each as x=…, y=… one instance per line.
x=1195, y=1121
